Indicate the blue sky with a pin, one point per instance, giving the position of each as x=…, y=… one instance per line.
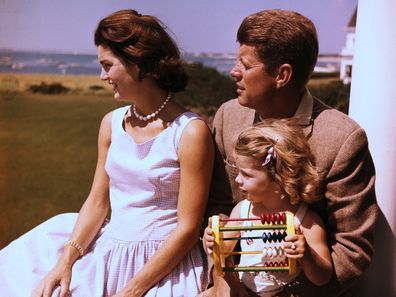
x=197, y=25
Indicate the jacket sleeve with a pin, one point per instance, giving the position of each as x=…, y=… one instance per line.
x=352, y=209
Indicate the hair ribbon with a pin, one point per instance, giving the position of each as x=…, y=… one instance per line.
x=271, y=154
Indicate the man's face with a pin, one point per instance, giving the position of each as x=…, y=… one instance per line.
x=255, y=87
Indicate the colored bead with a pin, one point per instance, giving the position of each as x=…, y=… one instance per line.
x=283, y=218
x=269, y=237
x=265, y=237
x=265, y=218
x=277, y=218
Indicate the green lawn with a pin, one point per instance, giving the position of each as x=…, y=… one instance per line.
x=47, y=156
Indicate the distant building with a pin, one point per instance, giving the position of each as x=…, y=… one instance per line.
x=348, y=50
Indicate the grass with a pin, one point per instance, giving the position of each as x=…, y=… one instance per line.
x=47, y=155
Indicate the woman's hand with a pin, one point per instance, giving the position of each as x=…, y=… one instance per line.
x=130, y=291
x=60, y=275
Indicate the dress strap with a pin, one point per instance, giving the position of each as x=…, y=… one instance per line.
x=117, y=120
x=300, y=214
x=245, y=209
x=181, y=123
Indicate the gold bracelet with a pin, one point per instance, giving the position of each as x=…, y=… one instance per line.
x=78, y=247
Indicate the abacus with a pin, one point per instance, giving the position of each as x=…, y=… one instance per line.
x=279, y=226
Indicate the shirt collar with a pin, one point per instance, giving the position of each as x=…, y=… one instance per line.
x=304, y=111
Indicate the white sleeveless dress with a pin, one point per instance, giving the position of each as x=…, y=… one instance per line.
x=265, y=283
x=144, y=186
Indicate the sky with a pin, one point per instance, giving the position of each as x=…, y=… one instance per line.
x=197, y=25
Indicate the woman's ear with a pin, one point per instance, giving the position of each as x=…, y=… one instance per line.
x=285, y=72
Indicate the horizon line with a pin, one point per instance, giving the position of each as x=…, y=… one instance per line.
x=89, y=52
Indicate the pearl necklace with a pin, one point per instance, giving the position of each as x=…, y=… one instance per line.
x=152, y=115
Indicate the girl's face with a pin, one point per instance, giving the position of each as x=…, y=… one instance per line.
x=123, y=80
x=254, y=180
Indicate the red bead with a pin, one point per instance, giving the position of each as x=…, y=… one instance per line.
x=272, y=216
x=283, y=218
x=265, y=218
x=277, y=218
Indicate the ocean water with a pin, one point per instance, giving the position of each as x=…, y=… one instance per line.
x=86, y=64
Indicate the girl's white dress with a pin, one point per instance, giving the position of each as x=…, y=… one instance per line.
x=144, y=186
x=265, y=283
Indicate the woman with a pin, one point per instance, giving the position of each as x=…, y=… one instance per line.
x=153, y=172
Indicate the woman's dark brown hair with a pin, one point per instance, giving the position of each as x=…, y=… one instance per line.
x=142, y=40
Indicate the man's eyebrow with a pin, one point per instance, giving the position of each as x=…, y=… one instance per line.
x=103, y=61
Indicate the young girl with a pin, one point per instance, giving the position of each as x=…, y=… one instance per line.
x=276, y=174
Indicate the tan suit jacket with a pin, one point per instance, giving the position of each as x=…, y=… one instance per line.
x=349, y=208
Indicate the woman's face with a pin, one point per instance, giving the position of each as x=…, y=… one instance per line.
x=255, y=86
x=124, y=79
x=254, y=180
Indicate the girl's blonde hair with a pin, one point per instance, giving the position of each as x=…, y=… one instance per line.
x=291, y=164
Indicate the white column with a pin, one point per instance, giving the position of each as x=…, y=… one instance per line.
x=373, y=106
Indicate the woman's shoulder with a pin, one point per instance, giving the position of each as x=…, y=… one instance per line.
x=114, y=116
x=111, y=117
x=192, y=125
x=186, y=116
x=120, y=111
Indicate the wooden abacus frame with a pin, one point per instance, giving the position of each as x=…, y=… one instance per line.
x=275, y=221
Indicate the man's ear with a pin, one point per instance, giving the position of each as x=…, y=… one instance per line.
x=285, y=72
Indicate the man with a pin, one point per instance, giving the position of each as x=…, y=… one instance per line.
x=277, y=54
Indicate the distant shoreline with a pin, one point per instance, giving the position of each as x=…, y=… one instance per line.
x=86, y=52
x=80, y=82
x=87, y=64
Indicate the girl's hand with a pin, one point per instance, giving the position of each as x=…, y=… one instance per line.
x=295, y=246
x=60, y=275
x=208, y=239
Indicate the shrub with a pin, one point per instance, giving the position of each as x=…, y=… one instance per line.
x=325, y=75
x=44, y=88
x=96, y=88
x=334, y=94
x=207, y=88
